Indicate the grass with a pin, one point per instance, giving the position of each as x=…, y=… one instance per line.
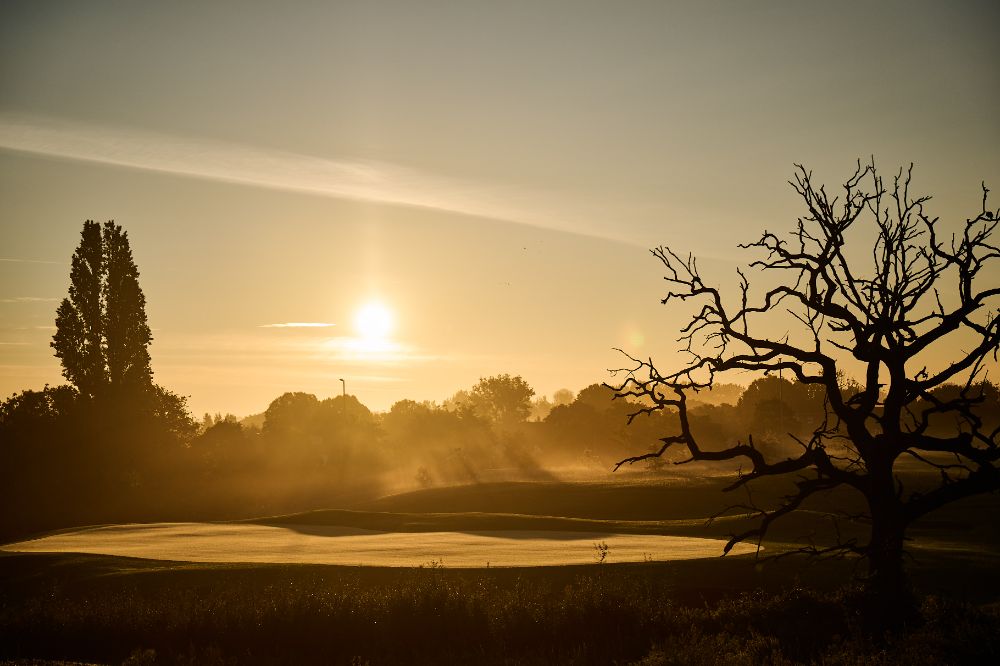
x=332, y=544
x=106, y=610
x=717, y=610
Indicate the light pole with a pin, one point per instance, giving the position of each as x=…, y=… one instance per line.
x=343, y=394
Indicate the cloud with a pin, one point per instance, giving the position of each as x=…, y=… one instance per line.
x=322, y=350
x=26, y=261
x=378, y=379
x=298, y=324
x=28, y=299
x=375, y=351
x=363, y=180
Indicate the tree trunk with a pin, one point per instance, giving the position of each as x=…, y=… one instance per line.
x=890, y=602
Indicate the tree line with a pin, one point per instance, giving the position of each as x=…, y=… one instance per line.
x=113, y=445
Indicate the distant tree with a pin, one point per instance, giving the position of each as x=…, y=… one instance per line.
x=303, y=431
x=291, y=413
x=459, y=402
x=562, y=397
x=540, y=408
x=208, y=420
x=775, y=407
x=598, y=397
x=168, y=413
x=411, y=427
x=346, y=410
x=430, y=436
x=30, y=410
x=901, y=319
x=592, y=427
x=408, y=418
x=502, y=399
x=987, y=410
x=722, y=394
x=102, y=336
x=222, y=447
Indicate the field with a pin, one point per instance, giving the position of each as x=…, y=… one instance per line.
x=348, y=546
x=96, y=608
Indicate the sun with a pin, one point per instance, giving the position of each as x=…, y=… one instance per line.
x=373, y=321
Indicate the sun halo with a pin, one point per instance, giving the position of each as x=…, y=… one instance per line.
x=373, y=321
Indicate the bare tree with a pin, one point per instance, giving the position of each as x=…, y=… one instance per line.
x=897, y=319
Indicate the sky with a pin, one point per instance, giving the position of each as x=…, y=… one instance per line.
x=491, y=174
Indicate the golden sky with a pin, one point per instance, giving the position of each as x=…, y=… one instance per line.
x=491, y=173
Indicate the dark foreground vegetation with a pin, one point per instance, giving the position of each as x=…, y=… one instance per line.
x=730, y=611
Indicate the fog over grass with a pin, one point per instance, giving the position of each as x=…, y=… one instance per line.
x=315, y=544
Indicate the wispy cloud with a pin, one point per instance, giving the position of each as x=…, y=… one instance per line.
x=8, y=260
x=364, y=180
x=298, y=324
x=28, y=299
x=371, y=351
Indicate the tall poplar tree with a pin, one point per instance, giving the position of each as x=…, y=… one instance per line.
x=102, y=336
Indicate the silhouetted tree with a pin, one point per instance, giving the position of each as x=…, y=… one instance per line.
x=448, y=445
x=502, y=399
x=221, y=448
x=592, y=427
x=102, y=336
x=322, y=444
x=112, y=443
x=29, y=409
x=898, y=320
x=598, y=397
x=168, y=413
x=79, y=338
x=291, y=414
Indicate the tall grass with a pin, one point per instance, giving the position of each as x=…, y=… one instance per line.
x=599, y=615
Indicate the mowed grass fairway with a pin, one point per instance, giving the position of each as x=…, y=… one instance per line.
x=318, y=544
x=103, y=609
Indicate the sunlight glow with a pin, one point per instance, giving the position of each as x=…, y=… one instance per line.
x=373, y=322
x=365, y=350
